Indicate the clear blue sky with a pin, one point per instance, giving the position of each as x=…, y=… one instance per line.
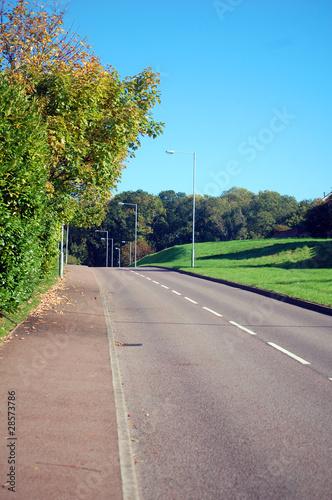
x=246, y=84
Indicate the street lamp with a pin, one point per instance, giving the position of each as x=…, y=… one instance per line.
x=135, y=205
x=171, y=152
x=116, y=248
x=103, y=239
x=101, y=231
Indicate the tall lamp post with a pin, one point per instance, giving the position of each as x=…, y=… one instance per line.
x=111, y=249
x=171, y=152
x=101, y=231
x=135, y=205
x=117, y=248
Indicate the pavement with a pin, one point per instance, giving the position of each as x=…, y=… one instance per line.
x=56, y=381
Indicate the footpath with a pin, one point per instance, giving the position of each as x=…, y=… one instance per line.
x=60, y=439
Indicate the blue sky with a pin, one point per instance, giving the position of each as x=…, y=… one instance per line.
x=246, y=84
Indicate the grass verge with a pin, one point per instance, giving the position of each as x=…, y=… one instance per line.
x=27, y=307
x=299, y=267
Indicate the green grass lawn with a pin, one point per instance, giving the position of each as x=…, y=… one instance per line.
x=299, y=267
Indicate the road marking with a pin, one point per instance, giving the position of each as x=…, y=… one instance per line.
x=164, y=286
x=148, y=278
x=213, y=312
x=243, y=328
x=190, y=300
x=177, y=293
x=330, y=378
x=156, y=282
x=301, y=360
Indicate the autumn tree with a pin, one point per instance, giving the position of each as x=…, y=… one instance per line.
x=67, y=127
x=94, y=119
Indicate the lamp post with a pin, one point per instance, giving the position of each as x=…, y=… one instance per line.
x=171, y=152
x=101, y=231
x=111, y=249
x=67, y=240
x=116, y=248
x=135, y=205
x=61, y=254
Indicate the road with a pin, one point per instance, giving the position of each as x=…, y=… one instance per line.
x=215, y=409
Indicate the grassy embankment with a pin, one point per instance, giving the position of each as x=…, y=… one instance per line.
x=26, y=308
x=299, y=268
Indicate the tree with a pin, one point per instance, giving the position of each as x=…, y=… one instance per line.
x=94, y=120
x=268, y=210
x=318, y=219
x=120, y=219
x=177, y=228
x=88, y=247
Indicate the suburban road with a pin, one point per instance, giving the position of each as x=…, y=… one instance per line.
x=228, y=393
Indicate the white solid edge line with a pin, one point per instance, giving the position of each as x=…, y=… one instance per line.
x=213, y=312
x=301, y=360
x=127, y=467
x=177, y=293
x=191, y=300
x=243, y=328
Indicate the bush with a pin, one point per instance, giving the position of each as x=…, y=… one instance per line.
x=27, y=226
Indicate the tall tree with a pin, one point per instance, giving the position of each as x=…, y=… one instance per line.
x=94, y=119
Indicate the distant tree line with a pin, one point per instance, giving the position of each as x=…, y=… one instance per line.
x=165, y=220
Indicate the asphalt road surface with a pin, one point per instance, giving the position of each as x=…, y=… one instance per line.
x=228, y=393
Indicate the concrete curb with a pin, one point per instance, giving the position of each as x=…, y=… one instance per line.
x=267, y=293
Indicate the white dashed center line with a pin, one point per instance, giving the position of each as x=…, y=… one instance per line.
x=301, y=360
x=190, y=300
x=294, y=356
x=213, y=312
x=243, y=328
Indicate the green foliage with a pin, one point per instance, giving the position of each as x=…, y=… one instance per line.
x=88, y=247
x=94, y=122
x=166, y=220
x=67, y=126
x=26, y=230
x=318, y=218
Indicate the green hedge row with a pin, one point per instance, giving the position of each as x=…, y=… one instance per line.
x=28, y=226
